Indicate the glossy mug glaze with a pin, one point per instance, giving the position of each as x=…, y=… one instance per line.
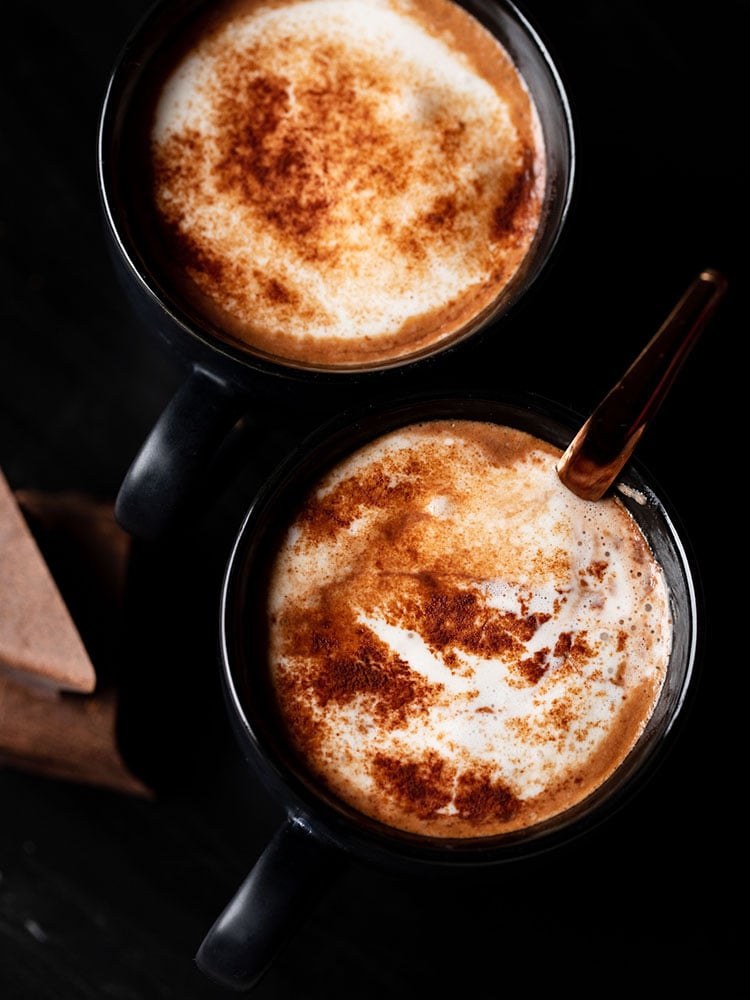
x=426, y=684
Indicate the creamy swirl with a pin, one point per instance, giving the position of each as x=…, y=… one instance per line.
x=345, y=181
x=459, y=645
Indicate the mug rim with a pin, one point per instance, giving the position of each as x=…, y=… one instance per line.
x=323, y=812
x=185, y=322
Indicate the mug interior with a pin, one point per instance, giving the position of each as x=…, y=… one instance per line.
x=122, y=182
x=246, y=681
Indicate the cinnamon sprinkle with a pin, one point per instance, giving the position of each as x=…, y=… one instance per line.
x=418, y=671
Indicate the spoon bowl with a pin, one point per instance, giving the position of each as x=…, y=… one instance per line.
x=600, y=449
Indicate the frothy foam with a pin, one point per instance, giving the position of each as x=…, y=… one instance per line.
x=460, y=646
x=346, y=180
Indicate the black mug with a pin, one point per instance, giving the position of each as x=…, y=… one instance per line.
x=322, y=833
x=223, y=383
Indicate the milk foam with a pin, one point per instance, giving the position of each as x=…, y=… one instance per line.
x=502, y=634
x=369, y=192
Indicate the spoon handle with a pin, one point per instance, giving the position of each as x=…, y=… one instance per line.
x=606, y=441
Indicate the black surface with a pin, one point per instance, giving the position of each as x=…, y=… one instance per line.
x=102, y=895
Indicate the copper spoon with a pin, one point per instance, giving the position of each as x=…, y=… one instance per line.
x=604, y=444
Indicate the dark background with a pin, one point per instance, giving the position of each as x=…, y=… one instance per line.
x=104, y=895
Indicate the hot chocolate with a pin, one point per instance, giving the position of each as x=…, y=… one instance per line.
x=341, y=182
x=460, y=646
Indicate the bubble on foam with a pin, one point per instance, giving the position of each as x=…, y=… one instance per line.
x=440, y=506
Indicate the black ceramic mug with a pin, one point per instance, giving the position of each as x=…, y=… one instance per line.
x=321, y=831
x=224, y=382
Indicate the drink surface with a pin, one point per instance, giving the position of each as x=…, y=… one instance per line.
x=343, y=182
x=460, y=646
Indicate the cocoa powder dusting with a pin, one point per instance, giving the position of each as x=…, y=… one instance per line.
x=449, y=617
x=373, y=490
x=515, y=212
x=480, y=798
x=412, y=662
x=419, y=786
x=533, y=668
x=300, y=147
x=424, y=788
x=345, y=660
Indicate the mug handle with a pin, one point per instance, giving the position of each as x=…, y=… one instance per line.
x=286, y=880
x=166, y=470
